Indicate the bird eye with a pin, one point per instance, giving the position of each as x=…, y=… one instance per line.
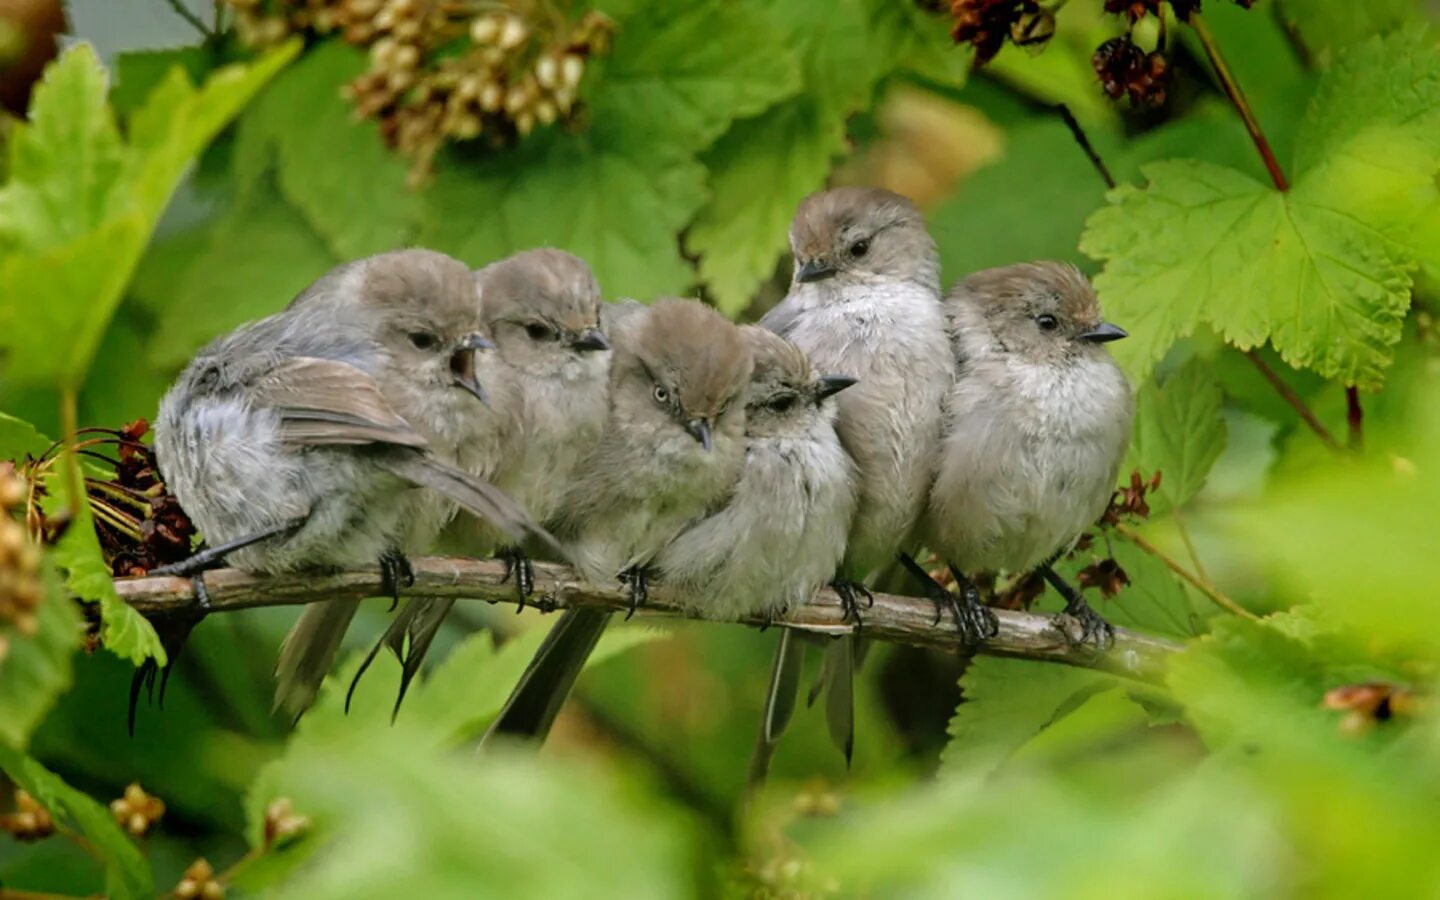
x=859, y=248
x=539, y=331
x=782, y=403
x=424, y=340
x=661, y=395
x=1047, y=322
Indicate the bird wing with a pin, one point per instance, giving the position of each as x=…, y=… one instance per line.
x=323, y=401
x=781, y=318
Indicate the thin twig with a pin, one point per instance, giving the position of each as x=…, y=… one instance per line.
x=1201, y=585
x=69, y=423
x=1355, y=419
x=1189, y=546
x=1237, y=99
x=1083, y=140
x=1295, y=401
x=180, y=10
x=896, y=619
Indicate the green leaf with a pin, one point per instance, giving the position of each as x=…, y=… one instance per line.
x=19, y=439
x=1326, y=26
x=249, y=264
x=919, y=42
x=755, y=187
x=1155, y=601
x=302, y=110
x=35, y=671
x=1007, y=702
x=127, y=875
x=139, y=72
x=1206, y=243
x=73, y=254
x=123, y=631
x=1178, y=432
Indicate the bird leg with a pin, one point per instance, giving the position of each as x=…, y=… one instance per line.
x=213, y=557
x=636, y=578
x=1092, y=627
x=518, y=566
x=973, y=619
x=849, y=593
x=395, y=573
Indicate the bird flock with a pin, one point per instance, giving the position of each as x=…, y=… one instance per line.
x=403, y=403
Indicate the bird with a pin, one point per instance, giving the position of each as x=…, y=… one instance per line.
x=327, y=437
x=781, y=536
x=865, y=300
x=549, y=378
x=671, y=452
x=1037, y=424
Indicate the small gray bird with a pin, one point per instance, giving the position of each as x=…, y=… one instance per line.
x=1036, y=426
x=549, y=384
x=671, y=452
x=781, y=536
x=327, y=436
x=865, y=301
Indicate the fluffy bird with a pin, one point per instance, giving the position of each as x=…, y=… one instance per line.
x=549, y=378
x=865, y=301
x=327, y=436
x=671, y=452
x=1036, y=426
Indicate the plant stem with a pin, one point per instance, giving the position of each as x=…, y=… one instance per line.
x=1355, y=418
x=1189, y=547
x=1237, y=99
x=1295, y=401
x=74, y=479
x=180, y=10
x=1083, y=140
x=1201, y=585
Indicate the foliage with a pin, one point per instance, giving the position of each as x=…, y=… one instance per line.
x=1251, y=771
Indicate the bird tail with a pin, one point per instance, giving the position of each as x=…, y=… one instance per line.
x=308, y=653
x=780, y=699
x=547, y=681
x=409, y=637
x=475, y=495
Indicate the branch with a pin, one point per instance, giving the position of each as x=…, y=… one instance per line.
x=1200, y=584
x=1355, y=419
x=902, y=620
x=179, y=8
x=1237, y=99
x=1296, y=402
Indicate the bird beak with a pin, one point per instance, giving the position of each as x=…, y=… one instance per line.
x=462, y=365
x=700, y=430
x=1104, y=333
x=830, y=385
x=814, y=270
x=591, y=339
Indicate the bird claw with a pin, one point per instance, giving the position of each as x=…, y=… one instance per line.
x=636, y=579
x=395, y=573
x=518, y=566
x=1093, y=629
x=976, y=622
x=847, y=591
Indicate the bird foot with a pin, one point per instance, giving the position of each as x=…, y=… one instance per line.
x=636, y=578
x=395, y=573
x=519, y=567
x=1093, y=629
x=849, y=593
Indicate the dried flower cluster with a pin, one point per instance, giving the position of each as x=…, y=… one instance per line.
x=1365, y=705
x=1125, y=69
x=21, y=590
x=282, y=823
x=517, y=66
x=136, y=811
x=29, y=822
x=199, y=883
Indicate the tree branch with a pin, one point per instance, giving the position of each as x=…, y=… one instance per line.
x=903, y=620
x=1296, y=402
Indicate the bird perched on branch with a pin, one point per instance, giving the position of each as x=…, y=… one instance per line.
x=865, y=301
x=1036, y=426
x=327, y=436
x=549, y=378
x=671, y=453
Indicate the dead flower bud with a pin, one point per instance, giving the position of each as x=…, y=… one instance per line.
x=199, y=883
x=282, y=823
x=1370, y=703
x=136, y=811
x=30, y=821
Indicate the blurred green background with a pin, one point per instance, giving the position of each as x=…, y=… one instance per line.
x=702, y=127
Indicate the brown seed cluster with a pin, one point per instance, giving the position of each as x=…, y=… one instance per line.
x=986, y=24
x=21, y=590
x=136, y=811
x=29, y=822
x=1126, y=70
x=199, y=883
x=443, y=72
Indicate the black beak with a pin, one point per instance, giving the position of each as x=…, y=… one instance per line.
x=1104, y=334
x=814, y=270
x=591, y=339
x=700, y=430
x=830, y=385
x=462, y=365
